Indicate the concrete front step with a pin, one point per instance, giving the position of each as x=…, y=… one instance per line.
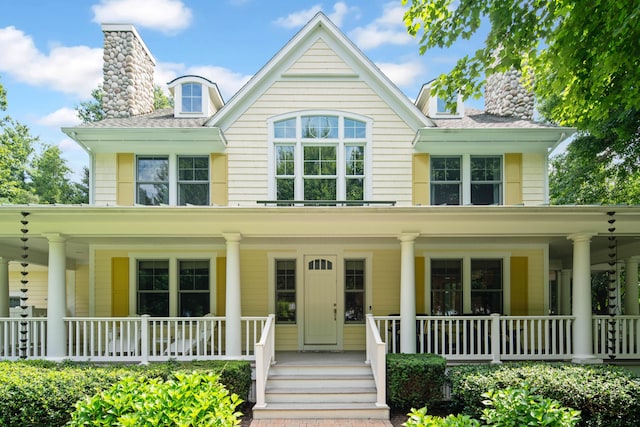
x=321, y=411
x=322, y=395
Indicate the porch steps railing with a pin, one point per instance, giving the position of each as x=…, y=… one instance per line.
x=320, y=386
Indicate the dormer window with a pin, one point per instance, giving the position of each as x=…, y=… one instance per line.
x=435, y=106
x=195, y=96
x=191, y=98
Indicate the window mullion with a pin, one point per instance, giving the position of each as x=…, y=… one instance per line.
x=173, y=180
x=466, y=179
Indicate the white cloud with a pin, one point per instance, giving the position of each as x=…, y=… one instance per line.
x=59, y=118
x=387, y=29
x=74, y=70
x=301, y=17
x=228, y=81
x=67, y=145
x=403, y=74
x=298, y=19
x=167, y=16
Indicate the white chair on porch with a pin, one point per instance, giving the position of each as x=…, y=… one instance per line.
x=195, y=339
x=124, y=342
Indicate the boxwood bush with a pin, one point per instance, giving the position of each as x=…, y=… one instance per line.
x=38, y=393
x=414, y=380
x=606, y=396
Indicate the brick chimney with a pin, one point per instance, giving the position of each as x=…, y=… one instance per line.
x=504, y=95
x=128, y=72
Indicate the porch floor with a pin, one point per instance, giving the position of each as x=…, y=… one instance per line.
x=319, y=357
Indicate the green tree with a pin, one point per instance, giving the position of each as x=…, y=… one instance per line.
x=583, y=54
x=92, y=111
x=50, y=177
x=16, y=147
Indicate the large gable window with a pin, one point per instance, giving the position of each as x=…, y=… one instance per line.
x=320, y=157
x=466, y=180
x=191, y=98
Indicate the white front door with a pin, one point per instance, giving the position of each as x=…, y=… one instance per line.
x=320, y=298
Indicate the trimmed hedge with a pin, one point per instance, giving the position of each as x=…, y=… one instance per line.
x=414, y=380
x=606, y=396
x=39, y=394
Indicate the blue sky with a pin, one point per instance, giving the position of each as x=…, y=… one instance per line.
x=52, y=50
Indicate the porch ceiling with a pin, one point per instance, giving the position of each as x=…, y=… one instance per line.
x=179, y=227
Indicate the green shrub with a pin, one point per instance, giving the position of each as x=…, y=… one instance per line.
x=43, y=394
x=420, y=418
x=191, y=399
x=604, y=395
x=414, y=380
x=517, y=407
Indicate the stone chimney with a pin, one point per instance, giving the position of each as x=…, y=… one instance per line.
x=128, y=72
x=504, y=95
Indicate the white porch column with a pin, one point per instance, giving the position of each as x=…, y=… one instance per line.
x=233, y=300
x=631, y=287
x=582, y=327
x=57, y=298
x=565, y=292
x=407, y=293
x=4, y=287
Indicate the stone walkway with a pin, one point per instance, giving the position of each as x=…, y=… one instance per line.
x=320, y=423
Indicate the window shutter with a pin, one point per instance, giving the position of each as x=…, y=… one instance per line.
x=421, y=190
x=221, y=286
x=513, y=178
x=219, y=182
x=125, y=173
x=419, y=277
x=519, y=285
x=119, y=287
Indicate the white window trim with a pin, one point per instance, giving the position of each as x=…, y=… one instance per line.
x=340, y=143
x=173, y=259
x=466, y=175
x=466, y=258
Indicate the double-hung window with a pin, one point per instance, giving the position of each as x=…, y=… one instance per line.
x=466, y=285
x=320, y=157
x=165, y=283
x=172, y=180
x=466, y=180
x=152, y=180
x=193, y=180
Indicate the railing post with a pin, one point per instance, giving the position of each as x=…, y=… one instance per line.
x=495, y=338
x=144, y=339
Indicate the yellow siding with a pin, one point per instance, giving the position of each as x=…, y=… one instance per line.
x=125, y=179
x=120, y=287
x=82, y=291
x=354, y=338
x=533, y=178
x=536, y=280
x=513, y=178
x=319, y=59
x=287, y=337
x=386, y=282
x=255, y=298
x=37, y=288
x=221, y=285
x=421, y=190
x=519, y=285
x=219, y=185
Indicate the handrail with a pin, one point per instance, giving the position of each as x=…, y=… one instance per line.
x=265, y=357
x=376, y=357
x=326, y=202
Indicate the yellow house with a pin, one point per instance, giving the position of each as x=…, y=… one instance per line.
x=321, y=195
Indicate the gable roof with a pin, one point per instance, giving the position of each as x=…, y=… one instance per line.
x=320, y=26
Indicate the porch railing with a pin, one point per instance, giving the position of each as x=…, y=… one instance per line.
x=490, y=338
x=624, y=343
x=265, y=357
x=10, y=337
x=376, y=357
x=144, y=339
